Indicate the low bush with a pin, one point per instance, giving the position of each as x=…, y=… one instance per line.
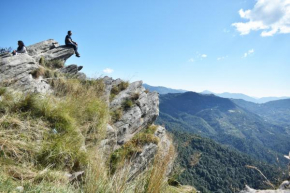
x=116, y=89
x=52, y=64
x=127, y=104
x=116, y=115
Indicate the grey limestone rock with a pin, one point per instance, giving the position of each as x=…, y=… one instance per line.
x=73, y=71
x=142, y=114
x=15, y=71
x=50, y=50
x=109, y=144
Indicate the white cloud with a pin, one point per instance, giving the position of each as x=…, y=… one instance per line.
x=191, y=60
x=226, y=31
x=270, y=16
x=222, y=58
x=197, y=57
x=250, y=52
x=108, y=70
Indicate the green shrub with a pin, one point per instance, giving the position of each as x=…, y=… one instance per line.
x=135, y=96
x=127, y=104
x=2, y=91
x=38, y=72
x=116, y=115
x=42, y=61
x=123, y=85
x=116, y=89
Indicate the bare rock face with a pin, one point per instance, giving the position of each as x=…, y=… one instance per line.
x=73, y=71
x=143, y=113
x=138, y=116
x=110, y=143
x=16, y=70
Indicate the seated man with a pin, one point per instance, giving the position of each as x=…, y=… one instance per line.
x=69, y=42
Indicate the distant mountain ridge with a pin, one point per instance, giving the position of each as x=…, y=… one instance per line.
x=277, y=112
x=165, y=90
x=249, y=135
x=245, y=97
x=226, y=122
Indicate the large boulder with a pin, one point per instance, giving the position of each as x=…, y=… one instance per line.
x=50, y=50
x=16, y=70
x=73, y=71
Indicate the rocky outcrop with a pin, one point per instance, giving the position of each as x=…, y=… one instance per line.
x=73, y=71
x=284, y=188
x=16, y=70
x=143, y=113
x=50, y=50
x=142, y=160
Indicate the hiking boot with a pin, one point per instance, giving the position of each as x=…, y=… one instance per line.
x=77, y=55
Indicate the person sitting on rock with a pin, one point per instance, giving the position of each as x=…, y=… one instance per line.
x=21, y=48
x=69, y=42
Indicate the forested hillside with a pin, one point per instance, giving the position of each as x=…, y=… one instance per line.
x=211, y=167
x=277, y=112
x=227, y=123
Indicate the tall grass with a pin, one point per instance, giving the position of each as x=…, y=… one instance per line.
x=52, y=131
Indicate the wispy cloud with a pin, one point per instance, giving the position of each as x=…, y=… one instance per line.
x=191, y=60
x=108, y=70
x=222, y=58
x=226, y=31
x=270, y=16
x=197, y=57
x=250, y=52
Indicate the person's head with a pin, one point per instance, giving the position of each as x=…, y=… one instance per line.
x=69, y=33
x=20, y=43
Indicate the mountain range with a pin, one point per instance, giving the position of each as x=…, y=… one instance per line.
x=226, y=122
x=165, y=90
x=238, y=129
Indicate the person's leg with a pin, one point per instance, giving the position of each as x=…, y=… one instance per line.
x=75, y=48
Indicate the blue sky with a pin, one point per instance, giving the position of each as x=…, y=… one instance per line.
x=239, y=46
